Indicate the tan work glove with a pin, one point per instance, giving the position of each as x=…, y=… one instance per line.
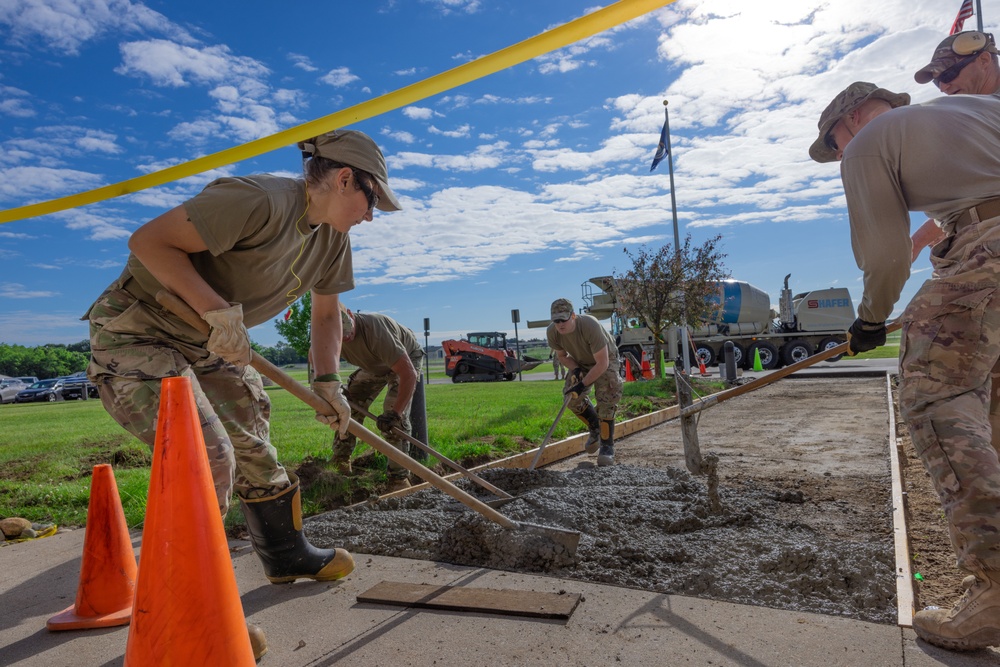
x=229, y=338
x=341, y=419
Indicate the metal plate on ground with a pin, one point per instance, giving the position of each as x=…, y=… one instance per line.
x=461, y=598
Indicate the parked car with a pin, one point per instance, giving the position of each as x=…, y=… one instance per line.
x=43, y=390
x=28, y=380
x=9, y=388
x=78, y=386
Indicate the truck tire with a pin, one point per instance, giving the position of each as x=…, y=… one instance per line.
x=795, y=351
x=827, y=343
x=768, y=355
x=705, y=354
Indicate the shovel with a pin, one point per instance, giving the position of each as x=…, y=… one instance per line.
x=504, y=496
x=568, y=539
x=545, y=440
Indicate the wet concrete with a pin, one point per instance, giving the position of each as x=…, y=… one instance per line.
x=654, y=529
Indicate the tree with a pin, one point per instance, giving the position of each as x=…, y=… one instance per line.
x=665, y=287
x=295, y=327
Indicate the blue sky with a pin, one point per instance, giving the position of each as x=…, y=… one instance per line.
x=517, y=187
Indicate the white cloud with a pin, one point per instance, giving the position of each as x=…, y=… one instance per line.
x=460, y=132
x=65, y=25
x=43, y=183
x=418, y=113
x=339, y=77
x=302, y=62
x=175, y=65
x=19, y=291
x=14, y=102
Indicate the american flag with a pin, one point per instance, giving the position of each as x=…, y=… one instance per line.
x=963, y=13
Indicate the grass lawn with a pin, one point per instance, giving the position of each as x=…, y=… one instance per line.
x=47, y=451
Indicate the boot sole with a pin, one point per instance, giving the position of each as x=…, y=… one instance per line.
x=315, y=577
x=977, y=640
x=592, y=449
x=605, y=461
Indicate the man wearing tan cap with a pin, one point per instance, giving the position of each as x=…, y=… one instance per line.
x=590, y=356
x=941, y=157
x=963, y=63
x=240, y=252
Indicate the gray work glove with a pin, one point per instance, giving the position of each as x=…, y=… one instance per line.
x=340, y=419
x=228, y=338
x=389, y=420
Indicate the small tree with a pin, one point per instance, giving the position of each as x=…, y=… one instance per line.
x=294, y=328
x=664, y=287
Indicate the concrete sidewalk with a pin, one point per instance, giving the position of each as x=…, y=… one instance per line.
x=320, y=624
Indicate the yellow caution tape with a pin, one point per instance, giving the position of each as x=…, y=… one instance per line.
x=557, y=38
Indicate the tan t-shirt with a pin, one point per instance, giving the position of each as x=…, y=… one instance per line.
x=261, y=253
x=940, y=157
x=586, y=340
x=379, y=341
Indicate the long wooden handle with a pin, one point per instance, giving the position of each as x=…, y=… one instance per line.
x=775, y=376
x=176, y=305
x=444, y=459
x=548, y=435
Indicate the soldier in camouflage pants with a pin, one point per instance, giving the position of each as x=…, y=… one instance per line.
x=941, y=157
x=127, y=369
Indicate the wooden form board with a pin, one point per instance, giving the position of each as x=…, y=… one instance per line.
x=462, y=598
x=901, y=541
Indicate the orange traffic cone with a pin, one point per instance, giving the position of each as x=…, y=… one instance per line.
x=628, y=372
x=647, y=372
x=187, y=604
x=107, y=570
x=701, y=367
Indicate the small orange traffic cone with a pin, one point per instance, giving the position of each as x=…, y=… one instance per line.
x=107, y=570
x=628, y=372
x=187, y=605
x=701, y=367
x=647, y=372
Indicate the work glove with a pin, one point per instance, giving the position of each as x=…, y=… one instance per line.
x=389, y=420
x=341, y=417
x=228, y=337
x=574, y=388
x=864, y=336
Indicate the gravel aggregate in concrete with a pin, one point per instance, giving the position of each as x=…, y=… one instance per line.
x=654, y=529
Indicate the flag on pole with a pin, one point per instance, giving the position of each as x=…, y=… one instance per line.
x=964, y=12
x=661, y=148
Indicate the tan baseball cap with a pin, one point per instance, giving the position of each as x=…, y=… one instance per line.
x=952, y=49
x=355, y=149
x=562, y=310
x=844, y=103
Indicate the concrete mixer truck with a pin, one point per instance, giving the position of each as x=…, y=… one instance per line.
x=739, y=312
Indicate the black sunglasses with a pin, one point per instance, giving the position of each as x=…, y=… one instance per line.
x=369, y=190
x=952, y=72
x=830, y=142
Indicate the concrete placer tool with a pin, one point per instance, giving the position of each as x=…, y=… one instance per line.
x=568, y=539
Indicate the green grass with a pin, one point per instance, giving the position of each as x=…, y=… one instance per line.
x=48, y=450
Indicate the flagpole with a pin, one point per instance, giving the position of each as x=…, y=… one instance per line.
x=979, y=15
x=686, y=360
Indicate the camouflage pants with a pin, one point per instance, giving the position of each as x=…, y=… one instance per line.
x=133, y=347
x=558, y=368
x=362, y=389
x=950, y=346
x=607, y=393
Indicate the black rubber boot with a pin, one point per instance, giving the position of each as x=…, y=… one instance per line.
x=607, y=455
x=275, y=527
x=593, y=422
